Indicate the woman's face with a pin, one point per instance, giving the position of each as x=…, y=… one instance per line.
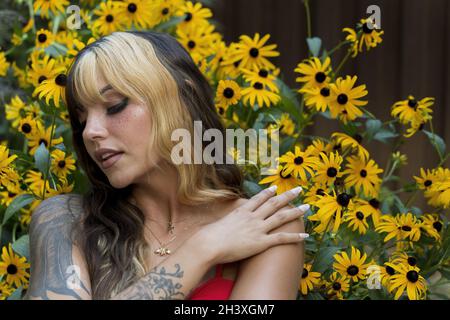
x=122, y=125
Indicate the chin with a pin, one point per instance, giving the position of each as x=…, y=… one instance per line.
x=119, y=182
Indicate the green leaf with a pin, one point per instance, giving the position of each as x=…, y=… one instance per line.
x=289, y=101
x=251, y=188
x=18, y=203
x=383, y=135
x=373, y=126
x=314, y=45
x=21, y=246
x=16, y=295
x=324, y=258
x=41, y=158
x=436, y=141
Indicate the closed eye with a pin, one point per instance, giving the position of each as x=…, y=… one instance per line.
x=118, y=107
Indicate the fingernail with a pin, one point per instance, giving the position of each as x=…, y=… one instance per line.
x=304, y=207
x=273, y=188
x=303, y=235
x=296, y=190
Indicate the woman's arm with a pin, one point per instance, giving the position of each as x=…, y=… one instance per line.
x=240, y=234
x=273, y=274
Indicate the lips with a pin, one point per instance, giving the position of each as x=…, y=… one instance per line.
x=111, y=159
x=107, y=157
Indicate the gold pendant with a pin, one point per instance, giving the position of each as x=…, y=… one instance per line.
x=162, y=251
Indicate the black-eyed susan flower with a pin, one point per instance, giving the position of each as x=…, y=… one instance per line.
x=371, y=207
x=345, y=98
x=426, y=179
x=417, y=124
x=228, y=92
x=401, y=257
x=193, y=14
x=13, y=267
x=5, y=290
x=197, y=40
x=363, y=176
x=317, y=98
x=338, y=285
x=164, y=10
x=328, y=168
x=315, y=192
x=41, y=69
x=109, y=18
x=254, y=53
x=386, y=273
x=42, y=136
x=12, y=190
x=370, y=35
x=318, y=146
x=286, y=125
x=309, y=279
x=357, y=220
x=437, y=192
x=257, y=93
x=14, y=110
x=261, y=75
x=28, y=126
x=35, y=182
x=137, y=12
x=313, y=73
x=4, y=64
x=279, y=178
x=407, y=278
x=408, y=110
x=53, y=88
x=354, y=143
x=54, y=6
x=298, y=163
x=432, y=225
x=352, y=37
x=5, y=164
x=402, y=227
x=353, y=267
x=331, y=211
x=62, y=164
x=44, y=38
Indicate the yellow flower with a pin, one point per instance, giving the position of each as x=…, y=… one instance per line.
x=286, y=125
x=61, y=164
x=53, y=88
x=353, y=38
x=193, y=14
x=197, y=40
x=5, y=164
x=346, y=141
x=328, y=169
x=14, y=110
x=44, y=38
x=5, y=290
x=261, y=75
x=313, y=72
x=363, y=176
x=309, y=279
x=315, y=192
x=42, y=136
x=371, y=207
x=370, y=36
x=338, y=285
x=283, y=181
x=345, y=98
x=55, y=6
x=253, y=53
x=318, y=146
x=402, y=227
x=357, y=220
x=137, y=12
x=228, y=92
x=317, y=97
x=409, y=279
x=28, y=126
x=257, y=93
x=331, y=211
x=12, y=191
x=408, y=110
x=299, y=164
x=354, y=267
x=4, y=64
x=14, y=267
x=432, y=225
x=109, y=18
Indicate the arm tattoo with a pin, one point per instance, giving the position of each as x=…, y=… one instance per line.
x=158, y=284
x=51, y=247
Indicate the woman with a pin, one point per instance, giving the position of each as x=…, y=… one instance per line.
x=149, y=229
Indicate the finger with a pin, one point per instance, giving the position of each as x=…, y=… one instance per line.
x=275, y=203
x=276, y=239
x=281, y=217
x=257, y=200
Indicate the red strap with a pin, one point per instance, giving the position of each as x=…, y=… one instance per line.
x=218, y=271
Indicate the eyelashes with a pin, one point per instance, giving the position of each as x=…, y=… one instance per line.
x=110, y=111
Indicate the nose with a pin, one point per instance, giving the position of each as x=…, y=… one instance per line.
x=95, y=129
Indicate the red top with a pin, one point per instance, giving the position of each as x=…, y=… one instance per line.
x=217, y=288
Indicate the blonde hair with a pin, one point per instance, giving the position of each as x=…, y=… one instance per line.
x=154, y=69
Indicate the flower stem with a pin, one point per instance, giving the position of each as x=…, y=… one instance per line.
x=349, y=52
x=338, y=46
x=308, y=17
x=49, y=155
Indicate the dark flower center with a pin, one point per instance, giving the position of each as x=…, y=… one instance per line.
x=191, y=44
x=406, y=228
x=352, y=270
x=263, y=73
x=367, y=28
x=42, y=37
x=336, y=286
x=342, y=98
x=363, y=173
x=358, y=138
x=132, y=8
x=320, y=77
x=11, y=194
x=109, y=18
x=221, y=110
x=412, y=276
x=320, y=192
x=390, y=271
x=26, y=128
x=165, y=11
x=304, y=273
x=228, y=93
x=360, y=215
x=11, y=269
x=254, y=52
x=41, y=79
x=427, y=183
x=412, y=261
x=61, y=80
x=61, y=164
x=438, y=226
x=43, y=141
x=258, y=86
x=298, y=160
x=412, y=103
x=343, y=199
x=332, y=172
x=374, y=203
x=188, y=17
x=325, y=92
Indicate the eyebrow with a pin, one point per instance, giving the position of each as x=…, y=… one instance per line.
x=106, y=88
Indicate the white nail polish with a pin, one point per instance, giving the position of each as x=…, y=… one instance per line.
x=304, y=207
x=296, y=190
x=273, y=188
x=303, y=235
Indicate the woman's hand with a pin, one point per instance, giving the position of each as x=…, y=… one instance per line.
x=244, y=232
